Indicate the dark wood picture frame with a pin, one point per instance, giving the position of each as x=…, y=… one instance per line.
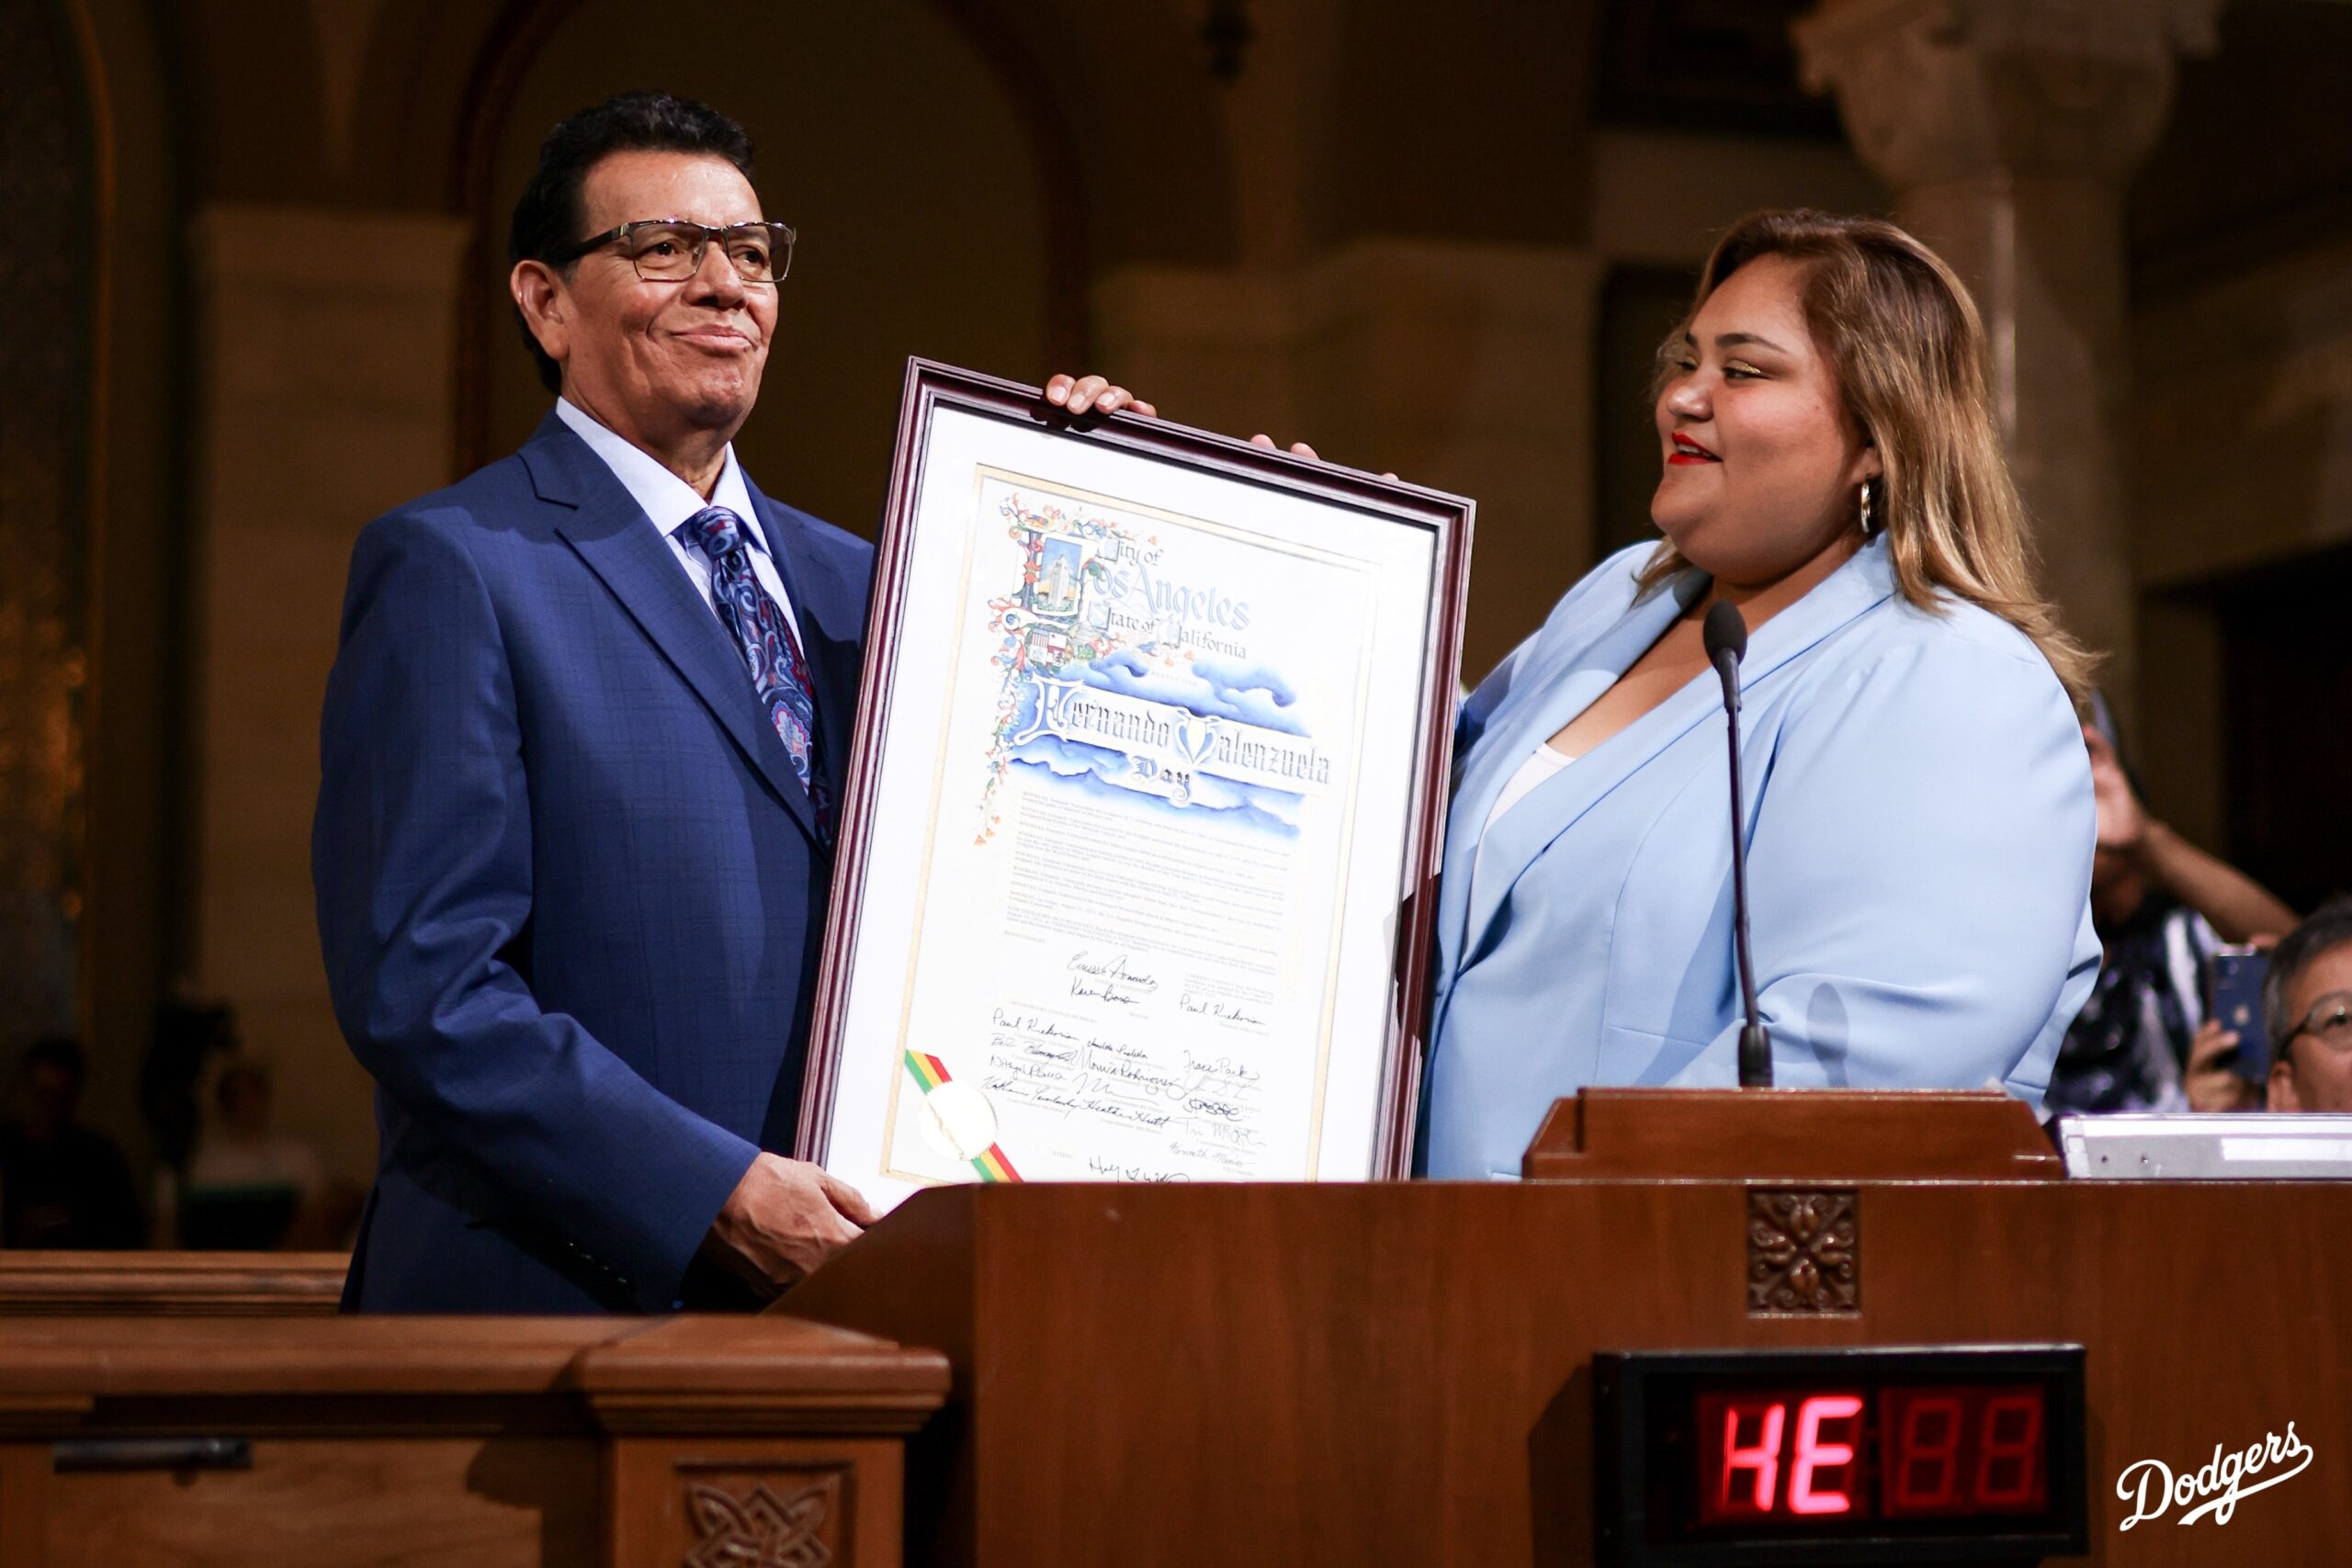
x=931, y=387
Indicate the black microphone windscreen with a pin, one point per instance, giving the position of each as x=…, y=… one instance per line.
x=1726, y=628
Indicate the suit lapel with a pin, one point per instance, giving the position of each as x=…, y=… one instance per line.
x=612, y=534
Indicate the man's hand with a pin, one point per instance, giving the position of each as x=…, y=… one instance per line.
x=784, y=1218
x=1080, y=394
x=2212, y=1083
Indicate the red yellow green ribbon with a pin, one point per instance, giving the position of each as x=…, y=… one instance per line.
x=931, y=1072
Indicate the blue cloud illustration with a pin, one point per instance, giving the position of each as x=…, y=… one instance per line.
x=1210, y=685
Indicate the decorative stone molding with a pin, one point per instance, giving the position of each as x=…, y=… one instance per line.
x=1933, y=91
x=2127, y=32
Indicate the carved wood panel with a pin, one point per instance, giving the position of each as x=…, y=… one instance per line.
x=1804, y=1251
x=764, y=1518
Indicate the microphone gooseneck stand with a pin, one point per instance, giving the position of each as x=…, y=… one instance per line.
x=1726, y=644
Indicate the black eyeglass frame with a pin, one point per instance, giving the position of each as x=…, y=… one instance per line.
x=2332, y=1000
x=780, y=241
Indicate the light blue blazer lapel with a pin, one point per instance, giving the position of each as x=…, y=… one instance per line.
x=613, y=535
x=1531, y=828
x=1573, y=673
x=1553, y=806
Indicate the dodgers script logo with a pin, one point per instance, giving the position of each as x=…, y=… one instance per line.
x=2152, y=1488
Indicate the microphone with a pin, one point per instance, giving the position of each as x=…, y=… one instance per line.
x=1726, y=641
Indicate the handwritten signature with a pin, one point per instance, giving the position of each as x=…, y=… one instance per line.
x=1113, y=1170
x=1028, y=1023
x=1105, y=990
x=1084, y=962
x=1224, y=1012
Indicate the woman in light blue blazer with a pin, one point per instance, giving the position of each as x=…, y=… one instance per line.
x=1918, y=796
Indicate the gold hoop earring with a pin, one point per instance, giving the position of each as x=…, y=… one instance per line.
x=1866, y=529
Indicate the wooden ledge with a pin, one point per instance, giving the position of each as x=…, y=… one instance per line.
x=173, y=1285
x=112, y=1357
x=1791, y=1135
x=682, y=1374
x=766, y=1374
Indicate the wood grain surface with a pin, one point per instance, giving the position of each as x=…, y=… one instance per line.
x=167, y=1284
x=308, y=1503
x=1342, y=1374
x=477, y=1442
x=1791, y=1134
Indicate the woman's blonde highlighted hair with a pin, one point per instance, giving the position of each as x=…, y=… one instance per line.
x=1902, y=339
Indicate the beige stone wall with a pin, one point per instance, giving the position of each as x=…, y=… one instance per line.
x=1465, y=368
x=325, y=398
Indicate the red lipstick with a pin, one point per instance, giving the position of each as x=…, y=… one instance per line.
x=1689, y=451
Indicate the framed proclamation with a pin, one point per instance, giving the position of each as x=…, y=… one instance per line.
x=1144, y=810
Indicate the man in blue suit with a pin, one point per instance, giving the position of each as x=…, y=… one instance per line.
x=581, y=749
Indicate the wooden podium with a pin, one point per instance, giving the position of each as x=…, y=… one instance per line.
x=1349, y=1374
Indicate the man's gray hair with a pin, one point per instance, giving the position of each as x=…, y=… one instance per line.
x=2330, y=927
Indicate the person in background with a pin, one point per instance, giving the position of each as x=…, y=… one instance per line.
x=2161, y=906
x=188, y=1036
x=2307, y=1006
x=251, y=1187
x=65, y=1185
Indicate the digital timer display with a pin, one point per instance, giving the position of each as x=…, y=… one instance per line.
x=1858, y=1455
x=1891, y=1452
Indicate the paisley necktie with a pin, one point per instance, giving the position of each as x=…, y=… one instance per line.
x=764, y=635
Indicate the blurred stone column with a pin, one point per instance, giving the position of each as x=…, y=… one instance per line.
x=2008, y=130
x=325, y=395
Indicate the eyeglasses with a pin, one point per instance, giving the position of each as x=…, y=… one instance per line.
x=670, y=250
x=2329, y=1022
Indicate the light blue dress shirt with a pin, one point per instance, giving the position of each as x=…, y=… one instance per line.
x=1919, y=821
